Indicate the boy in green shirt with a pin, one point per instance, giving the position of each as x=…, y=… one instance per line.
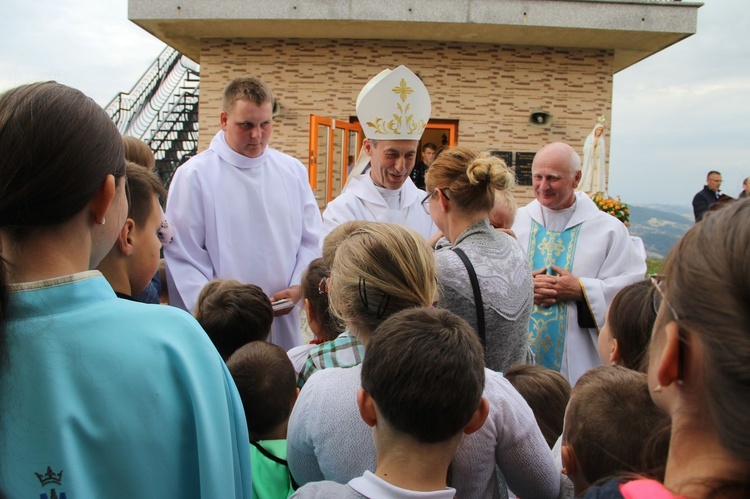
x=267, y=384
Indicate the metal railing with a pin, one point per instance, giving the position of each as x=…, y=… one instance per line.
x=162, y=110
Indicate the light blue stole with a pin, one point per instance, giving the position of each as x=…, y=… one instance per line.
x=547, y=325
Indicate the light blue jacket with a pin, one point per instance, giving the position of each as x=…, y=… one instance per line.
x=103, y=397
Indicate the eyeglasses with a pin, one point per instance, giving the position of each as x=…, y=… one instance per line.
x=658, y=298
x=426, y=201
x=127, y=193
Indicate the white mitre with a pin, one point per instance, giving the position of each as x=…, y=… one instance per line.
x=395, y=105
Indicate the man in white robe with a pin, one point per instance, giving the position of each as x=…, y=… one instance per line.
x=394, y=108
x=242, y=210
x=580, y=257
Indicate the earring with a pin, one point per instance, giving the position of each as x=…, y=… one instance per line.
x=104, y=220
x=657, y=389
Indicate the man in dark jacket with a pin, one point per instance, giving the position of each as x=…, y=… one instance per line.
x=428, y=155
x=708, y=196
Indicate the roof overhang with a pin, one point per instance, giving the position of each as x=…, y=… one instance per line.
x=633, y=29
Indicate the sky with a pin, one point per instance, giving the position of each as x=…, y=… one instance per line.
x=675, y=116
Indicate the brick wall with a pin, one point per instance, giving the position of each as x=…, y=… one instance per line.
x=489, y=89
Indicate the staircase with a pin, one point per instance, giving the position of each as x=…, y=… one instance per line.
x=162, y=110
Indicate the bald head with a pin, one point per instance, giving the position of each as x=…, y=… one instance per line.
x=561, y=154
x=556, y=171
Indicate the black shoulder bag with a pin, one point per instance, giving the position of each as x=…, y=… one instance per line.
x=477, y=293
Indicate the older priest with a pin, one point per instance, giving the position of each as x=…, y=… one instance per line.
x=580, y=257
x=393, y=108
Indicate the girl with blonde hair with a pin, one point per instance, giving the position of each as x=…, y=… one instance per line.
x=462, y=186
x=378, y=270
x=389, y=268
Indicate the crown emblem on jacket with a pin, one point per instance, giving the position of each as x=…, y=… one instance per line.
x=49, y=477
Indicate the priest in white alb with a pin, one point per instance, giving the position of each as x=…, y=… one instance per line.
x=393, y=109
x=242, y=210
x=580, y=257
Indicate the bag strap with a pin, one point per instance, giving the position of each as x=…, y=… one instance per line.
x=276, y=460
x=477, y=293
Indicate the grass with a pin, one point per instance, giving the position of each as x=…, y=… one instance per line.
x=653, y=266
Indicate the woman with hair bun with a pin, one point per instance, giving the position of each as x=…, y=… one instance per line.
x=461, y=186
x=101, y=397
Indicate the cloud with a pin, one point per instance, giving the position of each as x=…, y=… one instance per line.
x=88, y=45
x=684, y=111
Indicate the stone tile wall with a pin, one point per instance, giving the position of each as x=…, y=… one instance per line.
x=489, y=89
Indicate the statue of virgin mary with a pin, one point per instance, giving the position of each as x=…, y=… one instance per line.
x=594, y=173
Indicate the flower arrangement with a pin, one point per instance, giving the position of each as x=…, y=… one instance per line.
x=614, y=207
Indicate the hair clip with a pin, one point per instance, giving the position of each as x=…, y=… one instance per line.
x=383, y=306
x=323, y=286
x=363, y=292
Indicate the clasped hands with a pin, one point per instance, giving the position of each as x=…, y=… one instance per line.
x=551, y=289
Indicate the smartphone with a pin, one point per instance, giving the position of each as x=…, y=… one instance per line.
x=282, y=304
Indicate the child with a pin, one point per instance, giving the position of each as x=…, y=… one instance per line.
x=322, y=324
x=503, y=212
x=613, y=427
x=547, y=392
x=140, y=153
x=233, y=314
x=345, y=350
x=265, y=379
x=627, y=329
x=418, y=408
x=336, y=236
x=134, y=259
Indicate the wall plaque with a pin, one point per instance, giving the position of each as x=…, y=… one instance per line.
x=523, y=167
x=506, y=156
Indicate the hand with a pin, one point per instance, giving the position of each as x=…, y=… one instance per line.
x=569, y=287
x=544, y=295
x=291, y=293
x=432, y=241
x=549, y=289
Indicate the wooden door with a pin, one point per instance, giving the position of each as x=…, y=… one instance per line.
x=334, y=145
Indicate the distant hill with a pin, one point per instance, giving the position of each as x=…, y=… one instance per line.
x=685, y=210
x=660, y=226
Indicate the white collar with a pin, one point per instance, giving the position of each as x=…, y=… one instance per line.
x=364, y=188
x=557, y=220
x=226, y=153
x=585, y=209
x=372, y=486
x=392, y=197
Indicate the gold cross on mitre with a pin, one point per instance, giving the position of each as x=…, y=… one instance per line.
x=403, y=89
x=394, y=105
